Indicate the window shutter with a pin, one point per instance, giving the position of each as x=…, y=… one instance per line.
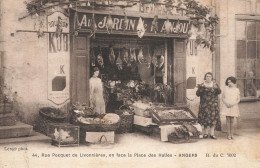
x=179, y=71
x=80, y=69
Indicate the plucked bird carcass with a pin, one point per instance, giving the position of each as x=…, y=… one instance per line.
x=119, y=63
x=140, y=28
x=140, y=56
x=132, y=55
x=112, y=56
x=168, y=26
x=100, y=60
x=109, y=24
x=93, y=26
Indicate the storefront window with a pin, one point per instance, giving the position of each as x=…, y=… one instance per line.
x=248, y=58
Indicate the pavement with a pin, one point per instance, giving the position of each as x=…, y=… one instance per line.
x=139, y=150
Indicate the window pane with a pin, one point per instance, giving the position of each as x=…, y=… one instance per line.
x=258, y=68
x=241, y=49
x=241, y=87
x=250, y=68
x=251, y=30
x=240, y=30
x=251, y=49
x=251, y=88
x=241, y=68
x=258, y=30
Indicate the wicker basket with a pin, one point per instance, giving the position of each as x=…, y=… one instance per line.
x=186, y=133
x=186, y=139
x=98, y=127
x=44, y=119
x=56, y=118
x=126, y=122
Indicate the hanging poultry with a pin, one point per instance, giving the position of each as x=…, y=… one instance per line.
x=140, y=28
x=148, y=60
x=125, y=57
x=93, y=26
x=109, y=24
x=125, y=23
x=161, y=62
x=92, y=58
x=168, y=26
x=140, y=56
x=155, y=24
x=100, y=60
x=112, y=56
x=132, y=55
x=119, y=63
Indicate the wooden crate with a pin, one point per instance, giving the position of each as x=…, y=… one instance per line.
x=63, y=134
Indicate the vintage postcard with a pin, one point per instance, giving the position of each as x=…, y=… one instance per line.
x=130, y=83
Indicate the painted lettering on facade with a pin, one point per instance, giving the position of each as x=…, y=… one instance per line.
x=177, y=26
x=58, y=58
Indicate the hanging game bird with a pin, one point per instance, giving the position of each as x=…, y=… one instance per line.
x=132, y=56
x=112, y=56
x=92, y=58
x=155, y=24
x=140, y=28
x=125, y=56
x=168, y=26
x=125, y=23
x=109, y=24
x=148, y=60
x=93, y=26
x=100, y=60
x=119, y=63
x=140, y=56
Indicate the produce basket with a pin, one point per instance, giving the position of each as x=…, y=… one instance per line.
x=52, y=114
x=172, y=115
x=98, y=127
x=98, y=124
x=187, y=139
x=126, y=120
x=49, y=115
x=95, y=128
x=141, y=109
x=185, y=133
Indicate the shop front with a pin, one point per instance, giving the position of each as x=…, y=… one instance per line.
x=146, y=59
x=128, y=49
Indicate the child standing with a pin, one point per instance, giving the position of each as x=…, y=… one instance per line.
x=231, y=98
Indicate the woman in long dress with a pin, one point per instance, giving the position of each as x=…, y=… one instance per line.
x=208, y=116
x=96, y=93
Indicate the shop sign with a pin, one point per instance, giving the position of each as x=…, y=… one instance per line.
x=58, y=58
x=177, y=26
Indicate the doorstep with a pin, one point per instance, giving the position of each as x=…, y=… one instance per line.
x=34, y=137
x=19, y=132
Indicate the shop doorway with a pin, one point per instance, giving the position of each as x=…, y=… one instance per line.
x=145, y=51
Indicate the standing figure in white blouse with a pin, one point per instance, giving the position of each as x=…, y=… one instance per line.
x=231, y=98
x=96, y=93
